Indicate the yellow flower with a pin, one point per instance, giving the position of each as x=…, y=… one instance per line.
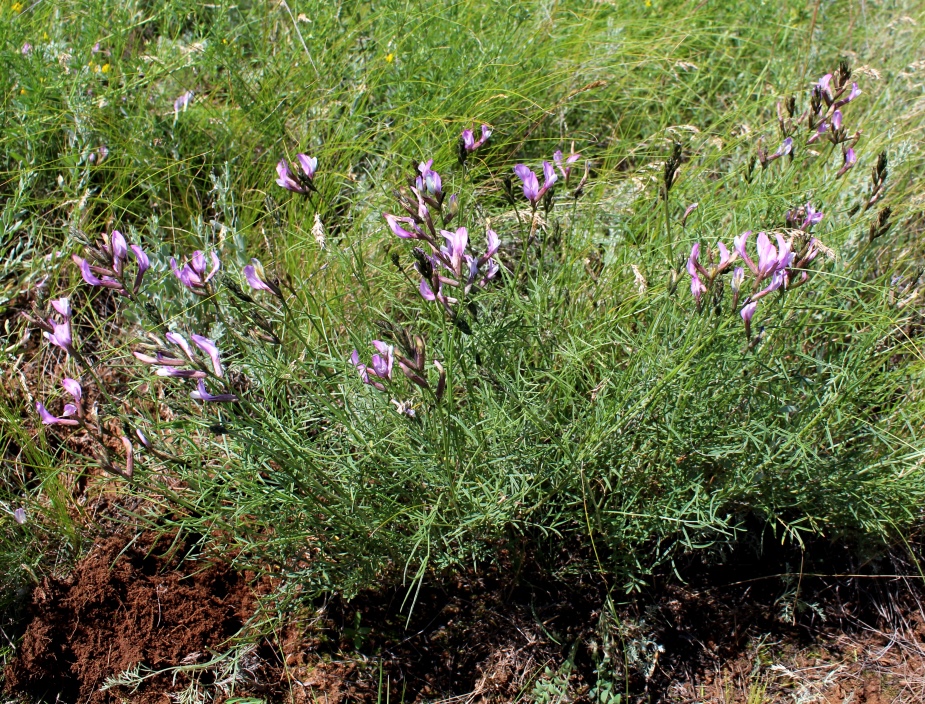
x=17, y=7
x=44, y=35
x=390, y=57
x=105, y=68
x=22, y=91
x=648, y=3
x=224, y=41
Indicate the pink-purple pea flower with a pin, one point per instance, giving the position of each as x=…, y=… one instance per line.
x=850, y=160
x=72, y=386
x=181, y=103
x=299, y=180
x=470, y=143
x=201, y=394
x=382, y=363
x=565, y=166
x=532, y=190
x=58, y=332
x=107, y=268
x=193, y=275
x=256, y=278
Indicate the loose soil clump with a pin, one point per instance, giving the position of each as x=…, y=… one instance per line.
x=126, y=604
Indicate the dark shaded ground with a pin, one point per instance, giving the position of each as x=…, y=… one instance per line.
x=734, y=631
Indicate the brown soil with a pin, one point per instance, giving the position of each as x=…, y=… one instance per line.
x=733, y=633
x=126, y=605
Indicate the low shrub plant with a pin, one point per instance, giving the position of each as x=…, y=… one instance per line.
x=533, y=362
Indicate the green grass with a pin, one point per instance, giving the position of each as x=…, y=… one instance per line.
x=585, y=412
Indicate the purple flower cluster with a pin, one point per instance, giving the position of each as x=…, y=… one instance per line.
x=413, y=366
x=57, y=330
x=446, y=263
x=776, y=268
x=195, y=273
x=534, y=192
x=826, y=118
x=105, y=265
x=70, y=410
x=188, y=365
x=298, y=179
x=468, y=143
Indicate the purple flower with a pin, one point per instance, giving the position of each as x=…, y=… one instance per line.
x=426, y=291
x=285, y=178
x=565, y=168
x=414, y=233
x=784, y=254
x=748, y=310
x=19, y=515
x=855, y=92
x=492, y=244
x=26, y=48
x=777, y=280
x=767, y=257
x=48, y=419
x=86, y=271
x=785, y=147
x=455, y=248
x=532, y=190
x=470, y=143
x=142, y=438
x=825, y=87
x=725, y=258
x=491, y=272
x=361, y=368
x=63, y=306
x=740, y=243
x=193, y=275
x=429, y=181
x=531, y=183
x=690, y=209
x=309, y=164
x=72, y=386
x=836, y=120
x=200, y=394
x=182, y=102
x=60, y=334
x=823, y=128
x=694, y=268
x=116, y=250
x=813, y=216
x=383, y=361
x=207, y=346
x=300, y=182
x=180, y=373
x=143, y=263
x=850, y=160
x=119, y=250
x=256, y=278
x=180, y=341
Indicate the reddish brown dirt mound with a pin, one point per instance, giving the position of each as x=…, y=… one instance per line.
x=120, y=607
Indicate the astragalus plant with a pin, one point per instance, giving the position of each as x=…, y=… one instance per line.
x=536, y=360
